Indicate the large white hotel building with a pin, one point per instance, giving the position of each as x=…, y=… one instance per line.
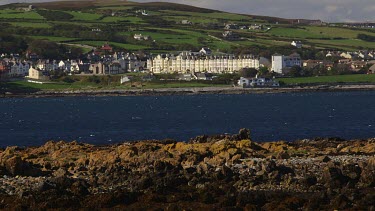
x=188, y=62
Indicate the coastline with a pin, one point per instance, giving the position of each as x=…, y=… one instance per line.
x=207, y=173
x=190, y=91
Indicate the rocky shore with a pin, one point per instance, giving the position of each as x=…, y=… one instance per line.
x=190, y=91
x=208, y=173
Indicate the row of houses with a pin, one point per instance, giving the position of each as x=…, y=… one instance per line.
x=114, y=64
x=187, y=62
x=353, y=55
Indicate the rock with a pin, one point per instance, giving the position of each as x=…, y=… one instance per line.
x=334, y=178
x=17, y=166
x=324, y=159
x=243, y=134
x=79, y=188
x=43, y=186
x=283, y=155
x=60, y=172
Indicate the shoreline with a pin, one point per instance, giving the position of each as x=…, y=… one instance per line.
x=188, y=91
x=206, y=173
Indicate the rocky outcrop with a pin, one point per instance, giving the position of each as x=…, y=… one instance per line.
x=209, y=172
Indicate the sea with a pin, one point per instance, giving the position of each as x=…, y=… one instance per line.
x=108, y=120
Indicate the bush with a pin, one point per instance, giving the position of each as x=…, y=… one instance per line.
x=55, y=15
x=68, y=80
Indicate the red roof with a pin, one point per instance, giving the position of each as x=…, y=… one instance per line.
x=106, y=47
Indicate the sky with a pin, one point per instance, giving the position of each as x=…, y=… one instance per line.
x=326, y=10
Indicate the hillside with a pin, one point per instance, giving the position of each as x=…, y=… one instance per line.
x=171, y=27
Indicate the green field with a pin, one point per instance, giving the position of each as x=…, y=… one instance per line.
x=51, y=38
x=16, y=14
x=81, y=16
x=360, y=78
x=350, y=44
x=31, y=25
x=24, y=86
x=116, y=44
x=163, y=25
x=296, y=33
x=211, y=15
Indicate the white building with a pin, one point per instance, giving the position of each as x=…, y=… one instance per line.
x=187, y=62
x=141, y=37
x=297, y=44
x=281, y=64
x=257, y=82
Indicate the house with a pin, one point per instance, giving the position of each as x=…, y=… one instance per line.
x=312, y=64
x=4, y=69
x=229, y=35
x=297, y=44
x=256, y=27
x=372, y=69
x=96, y=30
x=357, y=65
x=141, y=37
x=281, y=64
x=186, y=22
x=257, y=82
x=349, y=55
x=106, y=48
x=97, y=68
x=185, y=77
x=203, y=76
x=264, y=62
x=124, y=79
x=231, y=26
x=143, y=12
x=37, y=74
x=205, y=51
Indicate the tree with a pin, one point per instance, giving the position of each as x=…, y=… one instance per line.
x=263, y=71
x=248, y=72
x=295, y=71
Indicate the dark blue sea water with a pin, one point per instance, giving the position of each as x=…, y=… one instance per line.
x=270, y=117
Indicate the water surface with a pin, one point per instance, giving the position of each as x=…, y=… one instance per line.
x=102, y=120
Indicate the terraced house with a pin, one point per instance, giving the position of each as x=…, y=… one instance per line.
x=189, y=62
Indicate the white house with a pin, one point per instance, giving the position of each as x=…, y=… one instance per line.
x=205, y=51
x=297, y=44
x=124, y=79
x=257, y=82
x=281, y=64
x=141, y=37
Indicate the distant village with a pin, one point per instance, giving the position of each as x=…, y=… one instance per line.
x=188, y=65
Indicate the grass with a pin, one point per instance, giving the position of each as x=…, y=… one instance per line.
x=358, y=78
x=31, y=25
x=347, y=43
x=24, y=86
x=296, y=33
x=116, y=44
x=213, y=15
x=16, y=14
x=182, y=84
x=130, y=19
x=54, y=39
x=317, y=32
x=81, y=16
x=171, y=38
x=116, y=8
